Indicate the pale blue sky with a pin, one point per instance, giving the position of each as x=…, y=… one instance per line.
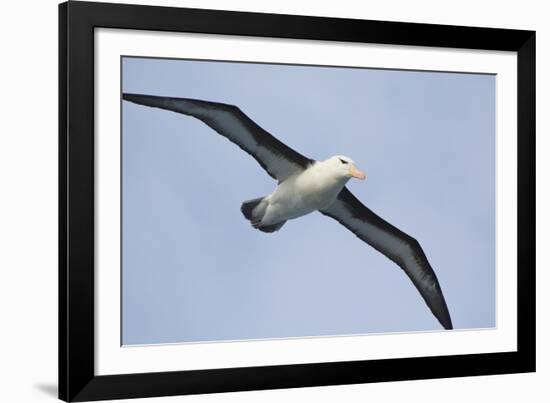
x=193, y=268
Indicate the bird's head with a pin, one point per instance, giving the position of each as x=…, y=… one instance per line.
x=344, y=167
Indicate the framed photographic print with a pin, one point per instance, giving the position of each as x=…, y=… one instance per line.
x=254, y=201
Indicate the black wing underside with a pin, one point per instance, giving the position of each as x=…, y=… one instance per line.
x=401, y=248
x=279, y=160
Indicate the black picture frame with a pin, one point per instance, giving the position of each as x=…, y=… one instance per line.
x=77, y=21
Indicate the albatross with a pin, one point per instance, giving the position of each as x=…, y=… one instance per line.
x=306, y=185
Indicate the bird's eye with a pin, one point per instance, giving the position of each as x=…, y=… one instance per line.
x=342, y=161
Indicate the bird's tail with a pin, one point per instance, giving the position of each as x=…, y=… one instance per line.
x=254, y=211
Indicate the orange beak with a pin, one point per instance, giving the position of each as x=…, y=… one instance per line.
x=354, y=172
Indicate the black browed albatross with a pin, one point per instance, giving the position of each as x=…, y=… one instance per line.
x=306, y=185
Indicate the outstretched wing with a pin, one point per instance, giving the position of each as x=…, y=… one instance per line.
x=279, y=160
x=396, y=245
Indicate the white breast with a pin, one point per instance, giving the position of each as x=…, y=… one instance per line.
x=313, y=189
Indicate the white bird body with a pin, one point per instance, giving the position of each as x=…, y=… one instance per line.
x=314, y=189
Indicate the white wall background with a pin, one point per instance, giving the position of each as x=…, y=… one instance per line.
x=28, y=202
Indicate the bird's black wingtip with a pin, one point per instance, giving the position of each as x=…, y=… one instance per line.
x=147, y=100
x=446, y=322
x=132, y=97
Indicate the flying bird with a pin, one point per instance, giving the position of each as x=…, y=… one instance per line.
x=306, y=185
